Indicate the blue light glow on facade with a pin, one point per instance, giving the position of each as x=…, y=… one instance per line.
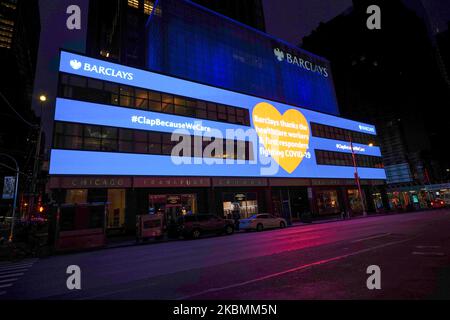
x=191, y=42
x=65, y=162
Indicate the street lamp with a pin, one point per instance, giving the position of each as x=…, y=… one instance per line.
x=42, y=99
x=13, y=215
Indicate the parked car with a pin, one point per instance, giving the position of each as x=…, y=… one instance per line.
x=438, y=203
x=259, y=222
x=195, y=225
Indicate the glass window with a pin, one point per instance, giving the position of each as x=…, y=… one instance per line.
x=140, y=93
x=191, y=103
x=125, y=134
x=200, y=114
x=140, y=147
x=182, y=111
x=109, y=145
x=95, y=84
x=180, y=101
x=78, y=196
x=140, y=136
x=114, y=99
x=126, y=101
x=201, y=105
x=167, y=98
x=126, y=91
x=154, y=148
x=212, y=115
x=59, y=128
x=92, y=144
x=154, y=137
x=73, y=142
x=109, y=133
x=354, y=199
x=155, y=96
x=327, y=202
x=78, y=81
x=92, y=131
x=141, y=103
x=111, y=87
x=221, y=108
x=167, y=108
x=154, y=106
x=222, y=116
x=167, y=149
x=240, y=120
x=212, y=107
x=125, y=146
x=73, y=129
x=64, y=79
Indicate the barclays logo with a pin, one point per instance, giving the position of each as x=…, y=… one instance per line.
x=75, y=64
x=301, y=63
x=109, y=72
x=279, y=54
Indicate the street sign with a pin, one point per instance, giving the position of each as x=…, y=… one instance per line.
x=9, y=186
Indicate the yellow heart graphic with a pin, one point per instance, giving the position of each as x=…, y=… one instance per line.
x=285, y=137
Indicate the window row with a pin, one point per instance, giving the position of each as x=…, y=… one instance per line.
x=72, y=136
x=97, y=91
x=332, y=158
x=328, y=132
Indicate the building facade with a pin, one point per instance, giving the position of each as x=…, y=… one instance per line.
x=115, y=142
x=212, y=116
x=19, y=38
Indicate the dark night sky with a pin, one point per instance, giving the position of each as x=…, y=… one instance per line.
x=291, y=20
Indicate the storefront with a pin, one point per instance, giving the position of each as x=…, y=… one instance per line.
x=418, y=196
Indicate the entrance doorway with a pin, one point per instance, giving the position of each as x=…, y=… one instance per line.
x=243, y=204
x=172, y=206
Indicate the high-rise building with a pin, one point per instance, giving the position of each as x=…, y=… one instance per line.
x=19, y=37
x=391, y=78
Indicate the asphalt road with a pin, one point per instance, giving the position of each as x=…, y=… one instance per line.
x=323, y=261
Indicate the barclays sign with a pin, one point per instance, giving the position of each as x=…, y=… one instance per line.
x=302, y=63
x=101, y=70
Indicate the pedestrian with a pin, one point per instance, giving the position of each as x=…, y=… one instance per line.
x=237, y=218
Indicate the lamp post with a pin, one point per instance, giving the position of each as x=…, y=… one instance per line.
x=13, y=215
x=42, y=99
x=358, y=182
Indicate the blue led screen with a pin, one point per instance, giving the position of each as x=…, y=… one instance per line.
x=280, y=133
x=187, y=41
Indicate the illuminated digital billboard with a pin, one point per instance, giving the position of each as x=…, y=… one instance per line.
x=279, y=135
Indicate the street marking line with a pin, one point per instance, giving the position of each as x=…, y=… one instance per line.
x=299, y=268
x=9, y=280
x=9, y=263
x=18, y=266
x=12, y=275
x=428, y=247
x=6, y=285
x=433, y=254
x=12, y=271
x=382, y=235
